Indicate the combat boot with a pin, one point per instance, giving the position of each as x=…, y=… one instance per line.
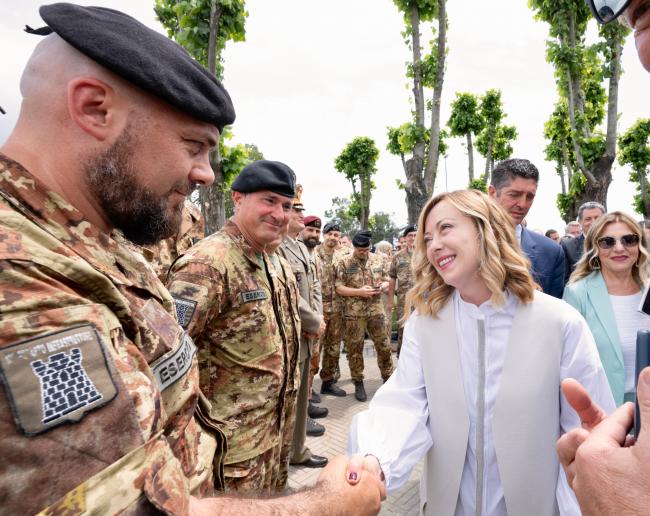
x=360, y=391
x=315, y=412
x=314, y=429
x=329, y=387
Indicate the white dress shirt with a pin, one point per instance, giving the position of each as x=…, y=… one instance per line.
x=394, y=429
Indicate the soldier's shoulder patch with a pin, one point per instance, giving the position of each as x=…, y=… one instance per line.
x=56, y=378
x=185, y=309
x=172, y=366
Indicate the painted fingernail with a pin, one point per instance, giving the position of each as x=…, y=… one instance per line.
x=352, y=476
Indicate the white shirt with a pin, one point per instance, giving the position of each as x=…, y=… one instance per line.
x=394, y=429
x=628, y=321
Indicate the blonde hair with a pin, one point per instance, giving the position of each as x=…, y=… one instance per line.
x=502, y=264
x=384, y=247
x=589, y=262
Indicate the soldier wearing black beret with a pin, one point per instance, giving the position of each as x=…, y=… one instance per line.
x=331, y=226
x=268, y=175
x=360, y=279
x=114, y=132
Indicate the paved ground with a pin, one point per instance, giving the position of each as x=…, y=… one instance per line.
x=334, y=441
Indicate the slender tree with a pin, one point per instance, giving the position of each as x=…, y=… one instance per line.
x=345, y=212
x=204, y=27
x=580, y=69
x=426, y=72
x=357, y=162
x=634, y=150
x=466, y=120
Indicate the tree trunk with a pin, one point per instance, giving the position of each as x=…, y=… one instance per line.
x=560, y=172
x=431, y=170
x=416, y=195
x=488, y=158
x=470, y=157
x=643, y=183
x=212, y=197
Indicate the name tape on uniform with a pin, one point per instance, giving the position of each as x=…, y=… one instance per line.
x=253, y=295
x=173, y=366
x=56, y=378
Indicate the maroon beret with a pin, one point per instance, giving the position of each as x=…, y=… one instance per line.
x=312, y=221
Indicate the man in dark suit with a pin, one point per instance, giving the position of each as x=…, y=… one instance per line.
x=588, y=213
x=513, y=186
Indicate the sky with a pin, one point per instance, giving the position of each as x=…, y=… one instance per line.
x=312, y=76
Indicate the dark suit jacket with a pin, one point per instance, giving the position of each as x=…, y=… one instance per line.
x=547, y=261
x=573, y=250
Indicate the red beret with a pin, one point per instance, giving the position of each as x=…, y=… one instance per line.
x=312, y=221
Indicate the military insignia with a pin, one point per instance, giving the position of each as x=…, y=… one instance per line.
x=352, y=269
x=184, y=310
x=56, y=378
x=253, y=295
x=172, y=366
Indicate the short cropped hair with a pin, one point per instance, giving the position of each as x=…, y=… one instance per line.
x=590, y=205
x=506, y=171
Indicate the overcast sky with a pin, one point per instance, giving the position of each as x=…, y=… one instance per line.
x=311, y=76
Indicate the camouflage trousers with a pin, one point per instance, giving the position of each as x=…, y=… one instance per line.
x=286, y=444
x=354, y=330
x=259, y=474
x=401, y=299
x=331, y=345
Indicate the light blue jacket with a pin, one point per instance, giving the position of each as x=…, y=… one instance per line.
x=590, y=297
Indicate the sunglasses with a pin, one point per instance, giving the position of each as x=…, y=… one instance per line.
x=630, y=240
x=606, y=11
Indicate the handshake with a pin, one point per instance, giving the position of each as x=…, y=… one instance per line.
x=359, y=482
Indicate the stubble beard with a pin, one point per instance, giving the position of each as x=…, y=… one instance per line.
x=139, y=213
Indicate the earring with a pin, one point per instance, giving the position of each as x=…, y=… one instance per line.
x=596, y=264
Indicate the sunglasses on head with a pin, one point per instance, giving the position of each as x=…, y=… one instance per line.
x=608, y=242
x=606, y=11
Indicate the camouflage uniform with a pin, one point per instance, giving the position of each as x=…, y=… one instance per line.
x=88, y=336
x=385, y=298
x=229, y=299
x=164, y=253
x=289, y=300
x=361, y=313
x=332, y=312
x=316, y=345
x=400, y=270
x=310, y=308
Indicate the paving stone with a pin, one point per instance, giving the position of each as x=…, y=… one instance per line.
x=404, y=502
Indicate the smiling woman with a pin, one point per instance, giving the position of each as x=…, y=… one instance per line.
x=606, y=289
x=476, y=386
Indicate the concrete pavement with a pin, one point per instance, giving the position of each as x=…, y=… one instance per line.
x=334, y=441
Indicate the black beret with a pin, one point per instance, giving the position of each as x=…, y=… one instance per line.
x=362, y=239
x=266, y=175
x=143, y=57
x=409, y=229
x=331, y=226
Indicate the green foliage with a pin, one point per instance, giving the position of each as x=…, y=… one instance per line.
x=233, y=160
x=402, y=139
x=566, y=203
x=500, y=136
x=428, y=9
x=634, y=150
x=358, y=159
x=465, y=115
x=188, y=22
x=343, y=212
x=479, y=183
x=382, y=227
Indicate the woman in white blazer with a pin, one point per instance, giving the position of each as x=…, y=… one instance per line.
x=477, y=387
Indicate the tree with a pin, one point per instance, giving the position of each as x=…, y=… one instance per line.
x=421, y=167
x=466, y=120
x=233, y=160
x=634, y=150
x=345, y=213
x=357, y=163
x=494, y=141
x=203, y=27
x=382, y=227
x=580, y=70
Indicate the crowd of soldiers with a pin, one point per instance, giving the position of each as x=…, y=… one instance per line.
x=308, y=301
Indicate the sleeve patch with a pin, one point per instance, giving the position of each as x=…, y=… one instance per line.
x=253, y=295
x=185, y=309
x=56, y=378
x=169, y=368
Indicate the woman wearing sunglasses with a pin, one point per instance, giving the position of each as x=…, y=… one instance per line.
x=606, y=289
